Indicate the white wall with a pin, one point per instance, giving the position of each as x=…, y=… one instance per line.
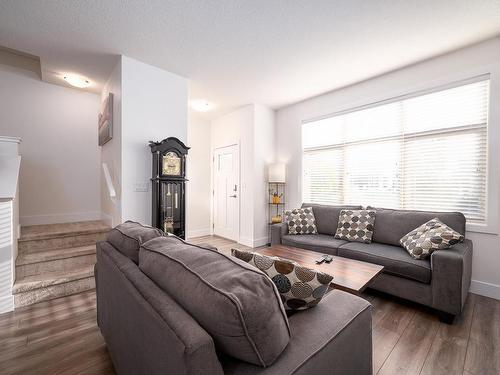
x=9, y=219
x=252, y=127
x=59, y=179
x=476, y=60
x=111, y=152
x=263, y=156
x=237, y=128
x=150, y=104
x=198, y=190
x=154, y=107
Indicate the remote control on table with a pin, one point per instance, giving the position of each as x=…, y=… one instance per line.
x=322, y=259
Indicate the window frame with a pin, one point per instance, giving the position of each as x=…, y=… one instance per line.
x=490, y=225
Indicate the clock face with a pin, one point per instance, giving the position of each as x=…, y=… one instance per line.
x=171, y=164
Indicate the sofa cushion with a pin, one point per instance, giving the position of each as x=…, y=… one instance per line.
x=395, y=259
x=128, y=237
x=301, y=221
x=238, y=305
x=327, y=216
x=356, y=225
x=300, y=287
x=433, y=235
x=391, y=225
x=315, y=242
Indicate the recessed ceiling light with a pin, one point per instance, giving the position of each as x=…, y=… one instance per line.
x=76, y=80
x=201, y=105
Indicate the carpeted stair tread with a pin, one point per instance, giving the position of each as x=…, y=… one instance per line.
x=48, y=255
x=51, y=278
x=47, y=231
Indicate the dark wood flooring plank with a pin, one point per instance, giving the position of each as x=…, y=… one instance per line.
x=483, y=350
x=384, y=342
x=61, y=337
x=389, y=320
x=410, y=352
x=448, y=351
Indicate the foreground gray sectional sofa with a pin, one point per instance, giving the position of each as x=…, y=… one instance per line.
x=441, y=282
x=167, y=307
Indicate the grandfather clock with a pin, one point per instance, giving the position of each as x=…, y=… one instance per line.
x=169, y=186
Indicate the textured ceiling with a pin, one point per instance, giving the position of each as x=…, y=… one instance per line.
x=273, y=52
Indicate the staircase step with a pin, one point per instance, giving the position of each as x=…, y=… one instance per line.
x=50, y=285
x=40, y=262
x=59, y=236
x=40, y=232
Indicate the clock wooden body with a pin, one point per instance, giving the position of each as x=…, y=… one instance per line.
x=169, y=185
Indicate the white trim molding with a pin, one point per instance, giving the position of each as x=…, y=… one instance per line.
x=198, y=233
x=246, y=241
x=6, y=304
x=253, y=242
x=59, y=218
x=485, y=289
x=258, y=242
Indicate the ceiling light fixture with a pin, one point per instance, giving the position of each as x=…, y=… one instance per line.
x=76, y=80
x=202, y=105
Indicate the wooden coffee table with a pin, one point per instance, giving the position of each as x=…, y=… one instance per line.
x=349, y=275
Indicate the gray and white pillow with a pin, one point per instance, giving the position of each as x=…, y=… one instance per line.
x=300, y=288
x=356, y=225
x=433, y=235
x=301, y=221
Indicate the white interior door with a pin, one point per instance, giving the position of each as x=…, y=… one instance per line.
x=226, y=179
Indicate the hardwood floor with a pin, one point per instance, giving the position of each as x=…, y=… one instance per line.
x=61, y=336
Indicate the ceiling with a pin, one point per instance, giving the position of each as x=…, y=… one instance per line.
x=272, y=52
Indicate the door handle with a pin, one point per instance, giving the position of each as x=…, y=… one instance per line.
x=233, y=196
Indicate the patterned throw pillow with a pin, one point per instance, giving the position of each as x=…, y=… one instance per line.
x=433, y=235
x=299, y=287
x=301, y=221
x=356, y=225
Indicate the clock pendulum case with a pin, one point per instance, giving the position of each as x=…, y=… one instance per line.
x=169, y=186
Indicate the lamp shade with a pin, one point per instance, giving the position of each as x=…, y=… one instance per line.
x=277, y=172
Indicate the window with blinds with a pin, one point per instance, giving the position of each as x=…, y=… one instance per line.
x=424, y=152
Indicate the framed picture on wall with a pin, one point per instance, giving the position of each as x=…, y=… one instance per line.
x=106, y=120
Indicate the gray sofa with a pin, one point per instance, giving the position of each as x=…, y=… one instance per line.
x=158, y=309
x=441, y=282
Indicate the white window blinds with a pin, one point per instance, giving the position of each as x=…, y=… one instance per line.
x=425, y=152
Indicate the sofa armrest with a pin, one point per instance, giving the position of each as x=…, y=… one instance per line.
x=451, y=277
x=277, y=232
x=333, y=337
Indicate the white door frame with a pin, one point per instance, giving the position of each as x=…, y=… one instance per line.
x=212, y=197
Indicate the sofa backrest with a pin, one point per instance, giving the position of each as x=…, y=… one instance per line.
x=327, y=216
x=144, y=328
x=391, y=225
x=128, y=237
x=237, y=304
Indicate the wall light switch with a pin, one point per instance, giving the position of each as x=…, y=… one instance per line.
x=141, y=187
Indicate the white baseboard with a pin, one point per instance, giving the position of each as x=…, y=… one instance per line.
x=485, y=289
x=198, y=233
x=260, y=241
x=246, y=241
x=6, y=304
x=59, y=218
x=251, y=242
